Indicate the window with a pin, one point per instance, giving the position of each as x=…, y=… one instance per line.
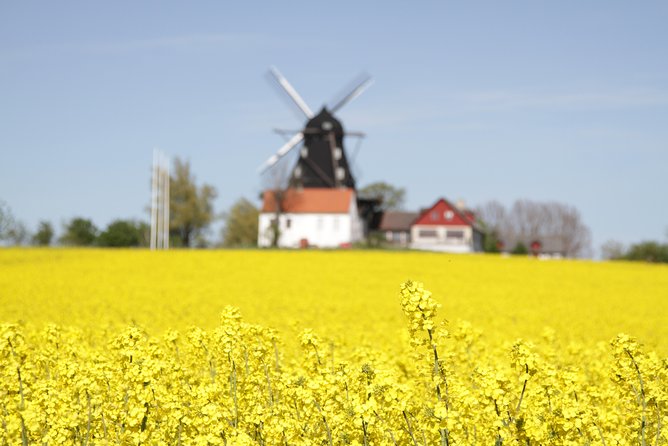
x=434, y=216
x=427, y=233
x=455, y=234
x=449, y=215
x=288, y=223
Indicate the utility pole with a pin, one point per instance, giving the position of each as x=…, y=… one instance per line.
x=160, y=201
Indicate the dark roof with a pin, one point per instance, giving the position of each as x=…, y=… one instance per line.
x=397, y=220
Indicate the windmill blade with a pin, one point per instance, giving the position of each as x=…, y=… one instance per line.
x=352, y=159
x=283, y=82
x=355, y=133
x=296, y=139
x=359, y=88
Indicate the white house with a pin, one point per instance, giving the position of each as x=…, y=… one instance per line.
x=320, y=217
x=445, y=227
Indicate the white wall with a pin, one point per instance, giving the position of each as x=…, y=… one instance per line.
x=357, y=230
x=441, y=242
x=321, y=230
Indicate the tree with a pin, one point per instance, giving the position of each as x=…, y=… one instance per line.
x=79, y=232
x=123, y=233
x=520, y=249
x=277, y=182
x=6, y=220
x=241, y=223
x=612, y=250
x=569, y=230
x=12, y=230
x=556, y=224
x=491, y=242
x=648, y=251
x=391, y=197
x=18, y=234
x=492, y=216
x=44, y=234
x=190, y=206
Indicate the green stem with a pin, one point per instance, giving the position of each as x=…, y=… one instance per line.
x=524, y=387
x=366, y=442
x=178, y=433
x=269, y=389
x=445, y=435
x=410, y=428
x=658, y=423
x=439, y=372
x=324, y=421
x=24, y=434
x=642, y=398
x=90, y=417
x=600, y=432
x=278, y=364
x=233, y=390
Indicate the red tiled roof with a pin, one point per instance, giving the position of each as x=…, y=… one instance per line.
x=435, y=215
x=311, y=200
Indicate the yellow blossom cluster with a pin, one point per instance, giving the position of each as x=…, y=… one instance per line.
x=342, y=363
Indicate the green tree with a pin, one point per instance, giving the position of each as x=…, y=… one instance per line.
x=79, y=232
x=241, y=223
x=491, y=241
x=520, y=249
x=391, y=197
x=190, y=206
x=648, y=251
x=123, y=233
x=44, y=234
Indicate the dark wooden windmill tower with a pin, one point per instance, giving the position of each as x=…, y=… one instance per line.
x=322, y=161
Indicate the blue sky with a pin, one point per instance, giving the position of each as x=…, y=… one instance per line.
x=562, y=100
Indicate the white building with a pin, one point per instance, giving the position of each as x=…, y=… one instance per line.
x=320, y=217
x=447, y=228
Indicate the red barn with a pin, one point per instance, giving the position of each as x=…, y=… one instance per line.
x=448, y=228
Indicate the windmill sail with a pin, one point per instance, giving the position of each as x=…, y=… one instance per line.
x=322, y=161
x=285, y=148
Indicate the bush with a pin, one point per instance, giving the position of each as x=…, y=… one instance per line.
x=648, y=252
x=520, y=249
x=79, y=232
x=122, y=233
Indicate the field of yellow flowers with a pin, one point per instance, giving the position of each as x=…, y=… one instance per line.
x=329, y=348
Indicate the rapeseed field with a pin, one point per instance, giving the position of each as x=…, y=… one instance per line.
x=329, y=347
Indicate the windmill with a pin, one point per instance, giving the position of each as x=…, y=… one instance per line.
x=322, y=161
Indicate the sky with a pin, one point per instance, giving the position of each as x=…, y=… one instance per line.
x=549, y=101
